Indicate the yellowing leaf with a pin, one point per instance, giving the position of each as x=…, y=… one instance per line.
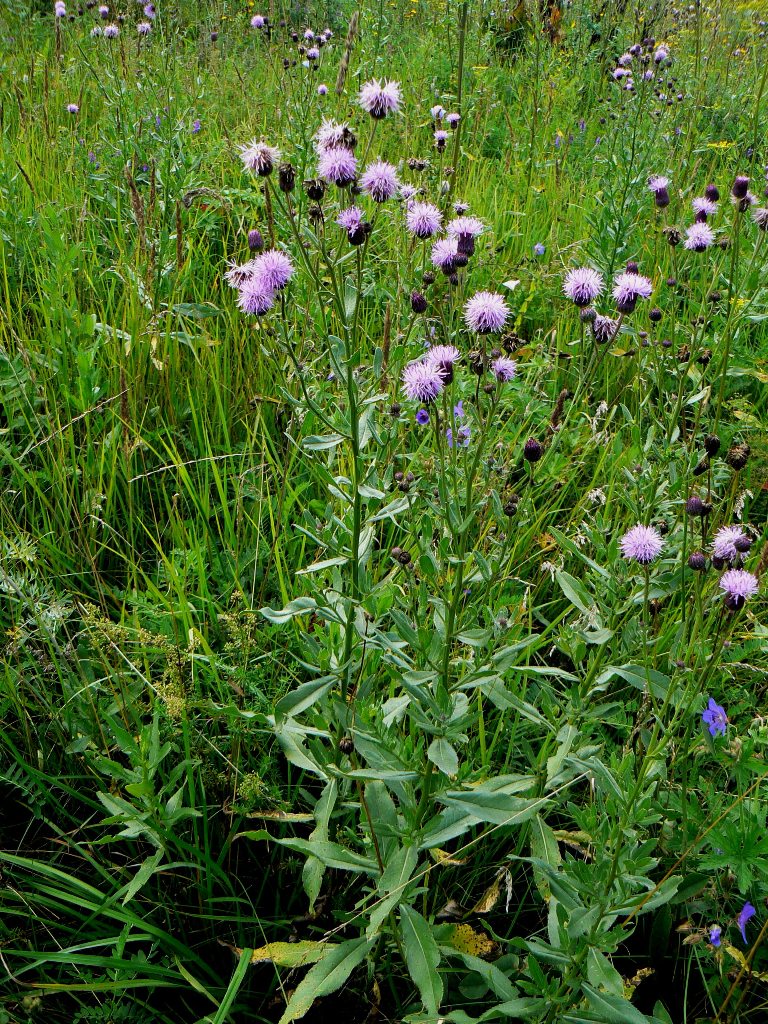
x=464, y=939
x=291, y=954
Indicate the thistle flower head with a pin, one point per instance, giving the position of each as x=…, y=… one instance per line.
x=111, y=32
x=72, y=108
x=760, y=217
x=724, y=543
x=452, y=119
x=423, y=219
x=504, y=369
x=582, y=285
x=604, y=328
x=699, y=236
x=423, y=381
x=255, y=297
x=657, y=182
x=738, y=586
x=60, y=9
x=441, y=136
x=273, y=269
x=472, y=227
x=444, y=253
x=144, y=28
x=351, y=218
x=380, y=98
x=437, y=112
x=379, y=181
x=259, y=157
x=642, y=544
x=486, y=313
x=338, y=166
x=330, y=135
x=258, y=21
x=628, y=287
x=702, y=206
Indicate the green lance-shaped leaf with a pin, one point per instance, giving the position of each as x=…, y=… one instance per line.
x=325, y=977
x=422, y=956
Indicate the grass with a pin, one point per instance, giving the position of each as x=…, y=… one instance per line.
x=474, y=778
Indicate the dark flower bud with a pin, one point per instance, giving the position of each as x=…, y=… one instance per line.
x=632, y=267
x=717, y=562
x=666, y=343
x=416, y=165
x=696, y=507
x=404, y=486
x=671, y=282
x=418, y=302
x=704, y=357
x=662, y=526
x=394, y=412
x=476, y=362
x=673, y=236
x=401, y=556
x=588, y=315
x=410, y=477
x=316, y=214
x=453, y=279
x=740, y=187
x=355, y=189
x=733, y=602
x=286, y=177
x=655, y=315
x=460, y=259
x=428, y=278
x=466, y=244
x=286, y=63
x=295, y=37
x=714, y=297
x=356, y=235
x=628, y=304
x=346, y=746
x=255, y=241
x=510, y=506
x=701, y=467
x=712, y=193
x=532, y=450
x=697, y=561
x=700, y=217
x=711, y=444
x=743, y=544
x=315, y=189
x=738, y=456
x=661, y=196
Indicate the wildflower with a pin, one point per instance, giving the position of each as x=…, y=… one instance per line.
x=657, y=182
x=255, y=297
x=97, y=31
x=103, y=11
x=486, y=313
x=258, y=21
x=452, y=119
x=259, y=157
x=418, y=302
x=309, y=35
x=149, y=11
x=661, y=54
x=699, y=237
x=273, y=268
x=714, y=935
x=712, y=193
x=313, y=53
x=111, y=32
x=532, y=450
x=338, y=166
x=619, y=73
x=196, y=126
x=738, y=585
x=504, y=369
x=423, y=381
x=422, y=417
x=697, y=561
x=604, y=329
x=238, y=274
x=332, y=134
x=441, y=138
x=60, y=9
x=740, y=187
x=463, y=436
x=760, y=217
x=380, y=98
x=539, y=249
x=144, y=28
x=444, y=253
x=628, y=287
x=322, y=89
x=715, y=718
x=350, y=219
x=423, y=220
x=625, y=60
x=437, y=112
x=727, y=541
x=703, y=207
x=642, y=543
x=443, y=357
x=463, y=226
x=746, y=912
x=379, y=181
x=255, y=241
x=582, y=285
x=72, y=108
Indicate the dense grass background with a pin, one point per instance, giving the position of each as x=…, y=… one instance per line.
x=154, y=479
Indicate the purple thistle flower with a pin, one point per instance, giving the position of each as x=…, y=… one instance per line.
x=144, y=28
x=380, y=98
x=338, y=166
x=714, y=935
x=441, y=137
x=423, y=220
x=322, y=89
x=582, y=285
x=738, y=585
x=111, y=32
x=470, y=226
x=625, y=60
x=313, y=53
x=60, y=9
x=351, y=218
x=619, y=73
x=452, y=119
x=443, y=357
x=72, y=108
x=746, y=912
x=238, y=274
x=379, y=181
x=330, y=135
x=255, y=297
x=408, y=192
x=715, y=718
x=505, y=369
x=255, y=241
x=437, y=112
x=103, y=11
x=699, y=236
x=642, y=543
x=760, y=217
x=486, y=313
x=259, y=157
x=258, y=21
x=724, y=543
x=422, y=417
x=149, y=11
x=423, y=381
x=273, y=269
x=628, y=287
x=661, y=54
x=657, y=182
x=444, y=253
x=703, y=207
x=309, y=35
x=97, y=31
